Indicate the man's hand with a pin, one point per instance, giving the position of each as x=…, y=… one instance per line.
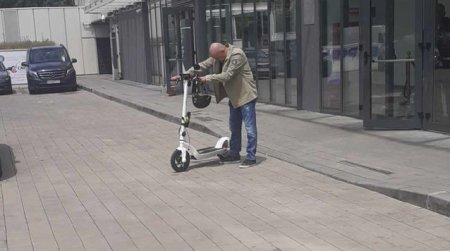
x=174, y=78
x=202, y=79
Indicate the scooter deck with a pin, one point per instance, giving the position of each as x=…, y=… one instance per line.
x=207, y=150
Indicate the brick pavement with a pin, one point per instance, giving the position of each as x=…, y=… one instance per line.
x=94, y=175
x=409, y=165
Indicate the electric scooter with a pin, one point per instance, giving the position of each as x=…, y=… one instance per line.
x=186, y=152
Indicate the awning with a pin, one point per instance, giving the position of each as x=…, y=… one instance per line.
x=106, y=6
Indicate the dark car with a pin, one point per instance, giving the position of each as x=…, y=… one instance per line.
x=5, y=80
x=50, y=69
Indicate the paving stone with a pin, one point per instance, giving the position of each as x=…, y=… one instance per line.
x=99, y=181
x=304, y=136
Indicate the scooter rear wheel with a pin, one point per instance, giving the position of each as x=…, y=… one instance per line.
x=177, y=162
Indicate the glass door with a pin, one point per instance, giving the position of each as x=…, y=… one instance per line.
x=178, y=43
x=391, y=63
x=340, y=57
x=437, y=65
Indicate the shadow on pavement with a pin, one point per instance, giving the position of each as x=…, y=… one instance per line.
x=213, y=163
x=7, y=162
x=207, y=163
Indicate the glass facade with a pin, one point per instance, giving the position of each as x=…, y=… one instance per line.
x=156, y=42
x=261, y=63
x=441, y=83
x=350, y=77
x=340, y=56
x=393, y=31
x=331, y=15
x=265, y=30
x=373, y=63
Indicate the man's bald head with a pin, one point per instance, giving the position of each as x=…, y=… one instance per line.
x=218, y=51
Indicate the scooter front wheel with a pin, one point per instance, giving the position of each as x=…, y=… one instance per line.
x=176, y=161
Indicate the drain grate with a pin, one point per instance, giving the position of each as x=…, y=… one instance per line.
x=353, y=164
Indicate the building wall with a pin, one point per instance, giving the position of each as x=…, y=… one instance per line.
x=157, y=59
x=133, y=40
x=69, y=26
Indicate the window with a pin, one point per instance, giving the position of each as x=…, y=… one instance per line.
x=340, y=56
x=266, y=31
x=213, y=19
x=331, y=57
x=47, y=55
x=156, y=43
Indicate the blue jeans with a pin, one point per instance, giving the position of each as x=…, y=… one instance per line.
x=246, y=113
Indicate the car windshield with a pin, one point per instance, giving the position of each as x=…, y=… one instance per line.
x=46, y=55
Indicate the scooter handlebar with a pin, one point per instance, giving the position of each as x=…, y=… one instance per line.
x=185, y=76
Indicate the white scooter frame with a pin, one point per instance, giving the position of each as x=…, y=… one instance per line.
x=181, y=157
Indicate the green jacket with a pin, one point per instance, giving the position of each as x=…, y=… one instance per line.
x=234, y=81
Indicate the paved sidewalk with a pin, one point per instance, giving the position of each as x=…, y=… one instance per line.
x=95, y=175
x=413, y=166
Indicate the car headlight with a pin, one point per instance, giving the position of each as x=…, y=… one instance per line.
x=70, y=71
x=33, y=74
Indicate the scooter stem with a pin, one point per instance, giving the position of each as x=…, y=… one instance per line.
x=183, y=114
x=185, y=94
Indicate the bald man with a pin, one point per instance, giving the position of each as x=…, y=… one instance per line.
x=232, y=77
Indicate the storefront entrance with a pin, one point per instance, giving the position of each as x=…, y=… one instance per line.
x=405, y=69
x=437, y=65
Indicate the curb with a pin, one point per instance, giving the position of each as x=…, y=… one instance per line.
x=432, y=201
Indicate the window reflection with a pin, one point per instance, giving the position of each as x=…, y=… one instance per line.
x=264, y=29
x=261, y=64
x=393, y=31
x=156, y=43
x=441, y=90
x=277, y=53
x=340, y=56
x=331, y=55
x=351, y=58
x=291, y=53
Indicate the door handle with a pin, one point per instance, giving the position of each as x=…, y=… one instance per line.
x=399, y=60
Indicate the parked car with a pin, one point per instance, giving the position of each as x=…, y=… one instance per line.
x=5, y=80
x=50, y=69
